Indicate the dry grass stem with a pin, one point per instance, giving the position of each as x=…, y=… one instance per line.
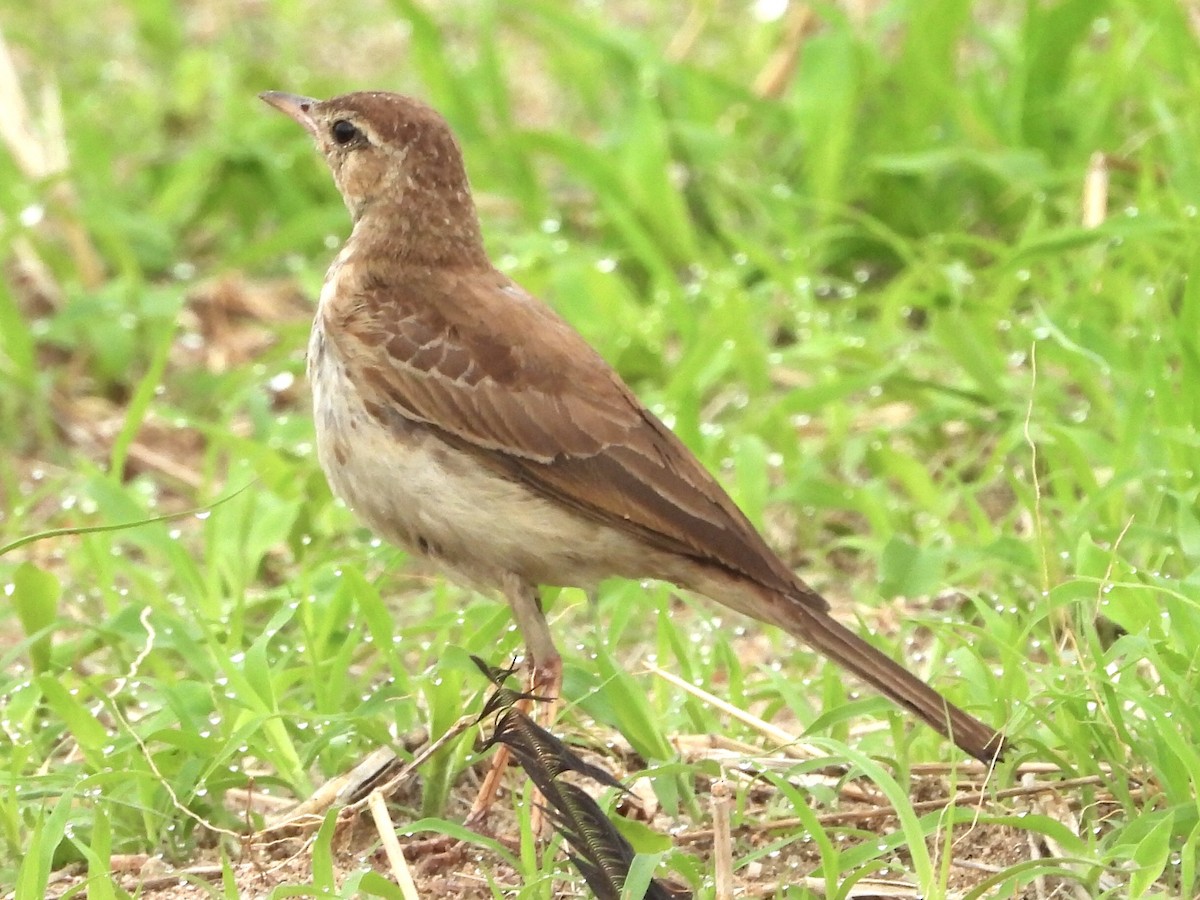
x=391, y=846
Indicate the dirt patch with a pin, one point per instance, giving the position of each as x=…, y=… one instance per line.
x=772, y=851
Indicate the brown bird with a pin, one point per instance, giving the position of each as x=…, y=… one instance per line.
x=463, y=419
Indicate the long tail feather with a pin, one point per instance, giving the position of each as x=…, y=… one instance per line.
x=843, y=646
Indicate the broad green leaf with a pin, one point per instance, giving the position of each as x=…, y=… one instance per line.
x=35, y=596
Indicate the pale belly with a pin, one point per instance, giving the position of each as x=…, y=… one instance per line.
x=416, y=491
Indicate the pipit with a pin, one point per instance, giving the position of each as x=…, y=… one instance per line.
x=464, y=420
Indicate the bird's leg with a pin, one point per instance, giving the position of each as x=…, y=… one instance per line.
x=545, y=665
x=545, y=683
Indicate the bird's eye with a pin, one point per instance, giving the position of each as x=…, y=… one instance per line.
x=343, y=132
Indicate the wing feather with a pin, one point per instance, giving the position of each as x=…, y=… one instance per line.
x=471, y=371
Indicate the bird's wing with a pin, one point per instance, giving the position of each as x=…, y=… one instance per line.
x=499, y=373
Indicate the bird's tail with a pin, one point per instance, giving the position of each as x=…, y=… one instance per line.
x=895, y=682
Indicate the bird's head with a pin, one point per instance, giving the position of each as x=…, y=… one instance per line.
x=391, y=151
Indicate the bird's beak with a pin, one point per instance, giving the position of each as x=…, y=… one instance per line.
x=299, y=108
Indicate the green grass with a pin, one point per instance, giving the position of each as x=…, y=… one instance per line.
x=869, y=305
